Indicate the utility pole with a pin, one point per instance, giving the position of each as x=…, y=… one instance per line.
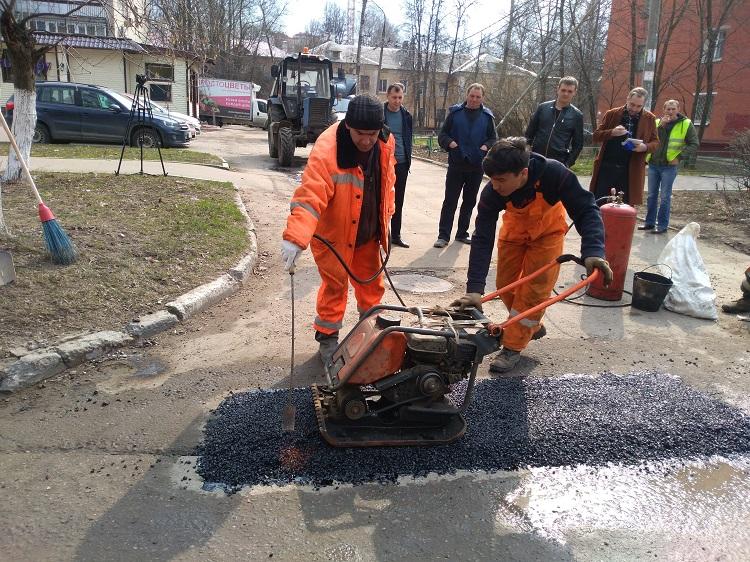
x=652, y=43
x=359, y=42
x=382, y=44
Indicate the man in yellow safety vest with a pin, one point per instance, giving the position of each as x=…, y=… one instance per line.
x=677, y=141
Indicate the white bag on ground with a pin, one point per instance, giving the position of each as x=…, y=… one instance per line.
x=691, y=292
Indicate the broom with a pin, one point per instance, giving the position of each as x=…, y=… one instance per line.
x=58, y=243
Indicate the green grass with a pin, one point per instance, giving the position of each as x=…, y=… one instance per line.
x=704, y=166
x=141, y=240
x=104, y=152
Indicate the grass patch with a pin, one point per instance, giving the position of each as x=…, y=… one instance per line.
x=142, y=240
x=111, y=152
x=704, y=166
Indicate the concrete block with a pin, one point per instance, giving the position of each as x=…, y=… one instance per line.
x=91, y=346
x=29, y=369
x=244, y=267
x=202, y=297
x=151, y=324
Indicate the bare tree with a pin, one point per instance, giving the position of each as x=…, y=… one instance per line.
x=24, y=53
x=712, y=17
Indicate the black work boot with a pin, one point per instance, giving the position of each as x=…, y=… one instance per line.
x=740, y=305
x=328, y=344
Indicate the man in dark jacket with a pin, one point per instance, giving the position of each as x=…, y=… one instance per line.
x=467, y=135
x=398, y=120
x=535, y=194
x=556, y=128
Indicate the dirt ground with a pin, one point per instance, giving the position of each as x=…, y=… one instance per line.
x=141, y=240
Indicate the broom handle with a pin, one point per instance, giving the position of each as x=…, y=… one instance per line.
x=12, y=140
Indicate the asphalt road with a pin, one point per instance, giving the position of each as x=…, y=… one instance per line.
x=100, y=464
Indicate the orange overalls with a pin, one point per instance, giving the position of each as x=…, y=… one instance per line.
x=328, y=203
x=529, y=238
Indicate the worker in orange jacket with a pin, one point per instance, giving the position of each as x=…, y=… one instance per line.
x=347, y=197
x=535, y=192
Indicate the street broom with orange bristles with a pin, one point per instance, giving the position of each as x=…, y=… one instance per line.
x=59, y=245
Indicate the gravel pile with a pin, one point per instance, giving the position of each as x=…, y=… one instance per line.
x=512, y=423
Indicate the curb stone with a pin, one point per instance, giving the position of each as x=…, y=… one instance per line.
x=68, y=352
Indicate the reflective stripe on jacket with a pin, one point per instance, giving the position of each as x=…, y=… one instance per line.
x=328, y=202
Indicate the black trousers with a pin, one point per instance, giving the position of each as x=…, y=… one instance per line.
x=612, y=175
x=402, y=173
x=456, y=181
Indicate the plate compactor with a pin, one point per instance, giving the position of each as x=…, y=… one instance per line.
x=389, y=379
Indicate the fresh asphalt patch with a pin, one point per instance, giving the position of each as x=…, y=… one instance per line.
x=512, y=424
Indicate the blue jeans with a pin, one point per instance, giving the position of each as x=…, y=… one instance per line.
x=660, y=180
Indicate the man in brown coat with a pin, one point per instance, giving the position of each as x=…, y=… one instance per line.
x=627, y=134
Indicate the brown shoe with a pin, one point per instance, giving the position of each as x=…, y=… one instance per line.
x=740, y=305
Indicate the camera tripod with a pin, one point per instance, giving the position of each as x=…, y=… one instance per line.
x=141, y=118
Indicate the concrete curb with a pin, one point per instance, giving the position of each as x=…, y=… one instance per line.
x=44, y=363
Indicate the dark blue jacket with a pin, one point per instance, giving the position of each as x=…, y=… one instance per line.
x=469, y=136
x=407, y=130
x=556, y=183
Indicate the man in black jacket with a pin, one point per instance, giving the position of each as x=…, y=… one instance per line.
x=556, y=128
x=535, y=194
x=467, y=135
x=399, y=122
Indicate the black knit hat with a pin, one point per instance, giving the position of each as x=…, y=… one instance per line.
x=365, y=113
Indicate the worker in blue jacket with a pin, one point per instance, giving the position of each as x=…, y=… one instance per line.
x=467, y=135
x=535, y=193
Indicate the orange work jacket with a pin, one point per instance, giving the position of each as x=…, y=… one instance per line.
x=328, y=202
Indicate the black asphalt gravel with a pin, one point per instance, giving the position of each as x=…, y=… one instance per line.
x=512, y=423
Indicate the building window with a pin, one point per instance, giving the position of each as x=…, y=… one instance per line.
x=640, y=58
x=721, y=37
x=365, y=82
x=160, y=92
x=406, y=85
x=5, y=66
x=443, y=88
x=157, y=71
x=439, y=116
x=382, y=85
x=700, y=103
x=335, y=55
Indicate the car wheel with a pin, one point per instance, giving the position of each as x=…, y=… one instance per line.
x=286, y=146
x=146, y=137
x=41, y=134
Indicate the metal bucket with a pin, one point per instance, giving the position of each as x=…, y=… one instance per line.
x=650, y=289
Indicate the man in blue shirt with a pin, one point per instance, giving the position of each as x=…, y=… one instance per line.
x=399, y=122
x=467, y=135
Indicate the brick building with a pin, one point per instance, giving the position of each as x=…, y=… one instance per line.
x=728, y=110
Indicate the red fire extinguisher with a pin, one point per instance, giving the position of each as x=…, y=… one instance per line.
x=619, y=224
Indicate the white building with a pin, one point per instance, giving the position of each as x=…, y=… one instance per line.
x=102, y=44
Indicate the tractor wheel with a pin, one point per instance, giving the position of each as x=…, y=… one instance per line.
x=286, y=146
x=273, y=148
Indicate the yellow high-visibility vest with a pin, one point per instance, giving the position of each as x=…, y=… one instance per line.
x=676, y=140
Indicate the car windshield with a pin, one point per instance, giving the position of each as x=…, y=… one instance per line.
x=341, y=105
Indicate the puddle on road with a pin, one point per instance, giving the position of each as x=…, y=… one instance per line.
x=132, y=373
x=701, y=499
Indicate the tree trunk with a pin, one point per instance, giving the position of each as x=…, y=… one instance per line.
x=23, y=55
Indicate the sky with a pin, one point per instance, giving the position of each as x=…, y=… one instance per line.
x=481, y=15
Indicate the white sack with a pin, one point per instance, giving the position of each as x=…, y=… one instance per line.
x=691, y=293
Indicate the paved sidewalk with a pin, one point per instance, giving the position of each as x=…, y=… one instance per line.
x=682, y=183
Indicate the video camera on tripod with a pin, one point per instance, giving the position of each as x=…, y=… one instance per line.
x=141, y=120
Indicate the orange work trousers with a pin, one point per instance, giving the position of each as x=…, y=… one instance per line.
x=529, y=238
x=334, y=288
